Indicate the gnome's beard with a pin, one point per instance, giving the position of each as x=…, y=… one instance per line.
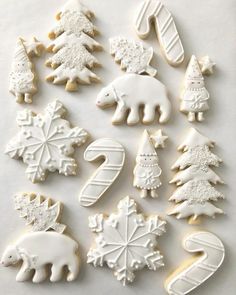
x=192, y=93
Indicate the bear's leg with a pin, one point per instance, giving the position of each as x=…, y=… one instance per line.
x=119, y=115
x=200, y=116
x=40, y=274
x=57, y=272
x=133, y=117
x=165, y=110
x=149, y=113
x=23, y=274
x=73, y=267
x=191, y=116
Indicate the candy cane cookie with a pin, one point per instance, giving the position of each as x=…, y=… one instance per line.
x=198, y=269
x=114, y=155
x=153, y=11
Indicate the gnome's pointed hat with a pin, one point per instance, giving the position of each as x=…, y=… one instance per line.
x=193, y=71
x=146, y=147
x=20, y=54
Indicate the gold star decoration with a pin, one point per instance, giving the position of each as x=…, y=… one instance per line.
x=206, y=65
x=159, y=139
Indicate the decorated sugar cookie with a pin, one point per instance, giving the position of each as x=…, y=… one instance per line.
x=133, y=56
x=46, y=142
x=114, y=155
x=206, y=65
x=134, y=91
x=210, y=253
x=40, y=248
x=154, y=12
x=194, y=96
x=72, y=46
x=195, y=178
x=130, y=92
x=22, y=75
x=147, y=171
x=39, y=212
x=126, y=241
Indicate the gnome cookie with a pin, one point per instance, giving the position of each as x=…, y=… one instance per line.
x=194, y=96
x=147, y=170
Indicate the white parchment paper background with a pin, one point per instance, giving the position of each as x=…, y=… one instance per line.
x=206, y=27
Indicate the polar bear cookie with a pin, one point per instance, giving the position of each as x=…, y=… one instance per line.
x=38, y=249
x=131, y=91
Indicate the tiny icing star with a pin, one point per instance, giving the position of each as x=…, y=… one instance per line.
x=207, y=65
x=33, y=47
x=159, y=139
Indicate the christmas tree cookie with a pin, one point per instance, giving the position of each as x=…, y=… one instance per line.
x=39, y=248
x=147, y=171
x=22, y=75
x=132, y=56
x=194, y=96
x=195, y=178
x=72, y=46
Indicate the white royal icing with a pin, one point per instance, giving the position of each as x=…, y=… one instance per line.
x=194, y=96
x=22, y=76
x=159, y=139
x=39, y=212
x=132, y=91
x=38, y=249
x=153, y=11
x=195, y=177
x=206, y=65
x=114, y=155
x=133, y=57
x=147, y=170
x=45, y=142
x=72, y=60
x=126, y=241
x=188, y=277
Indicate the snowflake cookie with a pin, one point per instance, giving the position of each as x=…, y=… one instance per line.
x=126, y=241
x=45, y=246
x=45, y=142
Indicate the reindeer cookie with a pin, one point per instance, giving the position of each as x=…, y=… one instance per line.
x=40, y=248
